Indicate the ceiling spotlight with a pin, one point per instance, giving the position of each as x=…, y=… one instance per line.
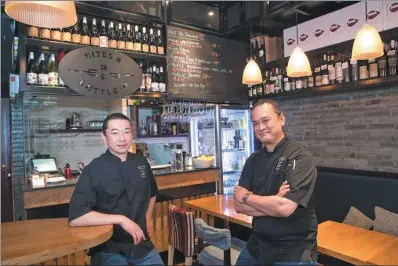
x=211, y=13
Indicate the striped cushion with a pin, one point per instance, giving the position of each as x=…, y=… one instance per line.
x=181, y=230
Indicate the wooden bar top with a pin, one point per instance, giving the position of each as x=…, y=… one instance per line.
x=34, y=241
x=222, y=207
x=357, y=245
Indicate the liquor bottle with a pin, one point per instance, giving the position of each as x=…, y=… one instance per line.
x=310, y=77
x=339, y=70
x=45, y=34
x=103, y=35
x=162, y=83
x=155, y=80
x=160, y=43
x=52, y=72
x=56, y=34
x=59, y=58
x=152, y=42
x=121, y=38
x=32, y=32
x=254, y=91
x=354, y=70
x=317, y=73
x=259, y=88
x=363, y=70
x=276, y=84
x=148, y=79
x=95, y=41
x=143, y=80
x=31, y=74
x=86, y=38
x=382, y=61
x=42, y=71
x=138, y=40
x=266, y=83
x=145, y=41
x=392, y=59
x=373, y=68
x=249, y=89
x=346, y=68
x=272, y=79
x=279, y=72
x=299, y=83
x=66, y=34
x=305, y=82
x=112, y=40
x=324, y=70
x=331, y=69
x=76, y=34
x=129, y=39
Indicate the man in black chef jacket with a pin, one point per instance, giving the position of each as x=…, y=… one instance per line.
x=284, y=228
x=117, y=188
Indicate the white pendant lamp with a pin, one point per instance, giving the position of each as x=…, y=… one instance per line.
x=298, y=65
x=43, y=14
x=367, y=43
x=252, y=74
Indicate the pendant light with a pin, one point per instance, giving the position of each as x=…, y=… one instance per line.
x=252, y=73
x=298, y=65
x=43, y=14
x=367, y=43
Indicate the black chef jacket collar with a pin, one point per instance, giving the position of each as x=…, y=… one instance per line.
x=277, y=147
x=115, y=159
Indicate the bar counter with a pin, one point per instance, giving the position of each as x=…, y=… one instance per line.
x=175, y=187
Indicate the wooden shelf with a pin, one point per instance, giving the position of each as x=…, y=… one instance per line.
x=77, y=130
x=54, y=46
x=48, y=90
x=362, y=84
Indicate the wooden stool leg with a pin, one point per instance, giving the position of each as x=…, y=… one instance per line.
x=170, y=257
x=188, y=261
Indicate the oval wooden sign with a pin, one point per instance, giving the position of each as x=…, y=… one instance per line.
x=100, y=72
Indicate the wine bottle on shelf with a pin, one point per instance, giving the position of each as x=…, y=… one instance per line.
x=148, y=79
x=103, y=35
x=382, y=63
x=354, y=70
x=155, y=80
x=277, y=86
x=32, y=32
x=152, y=42
x=76, y=34
x=145, y=41
x=324, y=70
x=339, y=70
x=265, y=83
x=331, y=69
x=45, y=34
x=95, y=36
x=52, y=72
x=42, y=71
x=31, y=72
x=249, y=89
x=162, y=83
x=66, y=34
x=129, y=39
x=346, y=66
x=112, y=40
x=373, y=68
x=363, y=70
x=392, y=59
x=86, y=38
x=56, y=34
x=143, y=81
x=160, y=44
x=138, y=40
x=286, y=82
x=261, y=53
x=121, y=39
x=317, y=73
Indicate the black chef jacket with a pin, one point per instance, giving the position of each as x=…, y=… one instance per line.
x=110, y=186
x=283, y=239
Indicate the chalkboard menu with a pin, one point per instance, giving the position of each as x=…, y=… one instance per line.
x=205, y=67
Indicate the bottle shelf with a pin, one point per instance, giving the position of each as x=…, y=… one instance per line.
x=361, y=84
x=166, y=136
x=77, y=130
x=55, y=46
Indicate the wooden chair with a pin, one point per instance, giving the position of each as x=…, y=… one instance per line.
x=181, y=234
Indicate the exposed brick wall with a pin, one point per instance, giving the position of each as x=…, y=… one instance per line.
x=354, y=130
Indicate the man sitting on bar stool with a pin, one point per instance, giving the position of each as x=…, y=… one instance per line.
x=117, y=188
x=284, y=228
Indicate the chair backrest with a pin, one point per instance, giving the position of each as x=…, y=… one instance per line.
x=220, y=238
x=181, y=230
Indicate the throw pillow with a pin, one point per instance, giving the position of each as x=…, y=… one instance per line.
x=386, y=221
x=356, y=218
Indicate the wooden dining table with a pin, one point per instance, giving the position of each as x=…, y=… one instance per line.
x=345, y=242
x=49, y=242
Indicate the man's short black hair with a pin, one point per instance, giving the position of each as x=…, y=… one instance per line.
x=114, y=116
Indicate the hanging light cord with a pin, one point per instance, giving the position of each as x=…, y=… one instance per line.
x=297, y=39
x=366, y=11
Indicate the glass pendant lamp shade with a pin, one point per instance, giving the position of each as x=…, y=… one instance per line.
x=43, y=14
x=252, y=74
x=298, y=65
x=367, y=44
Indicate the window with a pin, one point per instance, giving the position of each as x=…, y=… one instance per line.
x=233, y=14
x=153, y=8
x=197, y=14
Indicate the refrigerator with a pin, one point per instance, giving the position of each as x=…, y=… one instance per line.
x=237, y=144
x=229, y=137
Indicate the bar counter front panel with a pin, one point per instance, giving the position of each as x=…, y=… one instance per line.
x=174, y=188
